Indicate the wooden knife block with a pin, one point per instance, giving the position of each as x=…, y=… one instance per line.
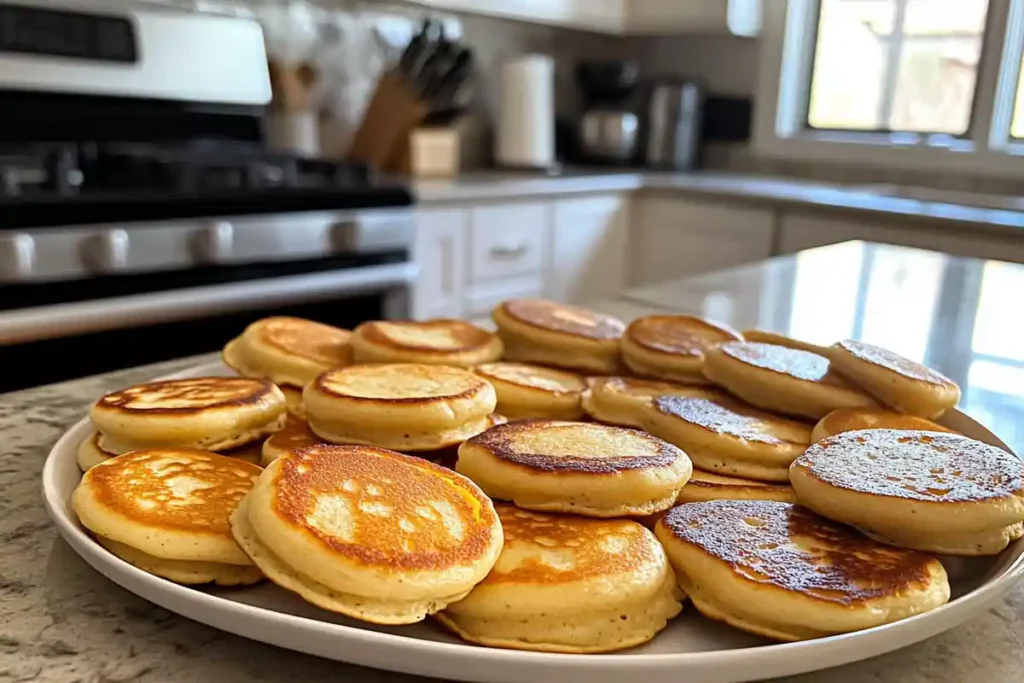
x=394, y=112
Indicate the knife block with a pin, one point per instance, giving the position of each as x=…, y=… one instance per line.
x=394, y=112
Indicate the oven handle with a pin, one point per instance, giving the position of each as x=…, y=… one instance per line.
x=47, y=322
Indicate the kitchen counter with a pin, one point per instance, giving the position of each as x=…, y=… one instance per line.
x=60, y=621
x=878, y=200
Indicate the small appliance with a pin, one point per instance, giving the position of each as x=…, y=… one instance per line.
x=608, y=131
x=675, y=114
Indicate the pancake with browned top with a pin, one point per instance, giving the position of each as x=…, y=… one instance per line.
x=569, y=584
x=672, y=347
x=931, y=491
x=728, y=437
x=622, y=401
x=296, y=434
x=369, y=533
x=434, y=342
x=213, y=413
x=548, y=333
x=782, y=379
x=704, y=486
x=780, y=571
x=534, y=392
x=898, y=382
x=166, y=511
x=288, y=351
x=766, y=337
x=852, y=419
x=402, y=406
x=587, y=469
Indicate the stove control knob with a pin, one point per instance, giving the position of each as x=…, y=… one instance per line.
x=17, y=257
x=214, y=243
x=106, y=252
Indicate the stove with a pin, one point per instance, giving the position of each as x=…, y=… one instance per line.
x=138, y=197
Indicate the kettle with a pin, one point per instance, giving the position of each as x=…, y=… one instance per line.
x=675, y=113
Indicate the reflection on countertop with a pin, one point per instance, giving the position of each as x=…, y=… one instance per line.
x=958, y=315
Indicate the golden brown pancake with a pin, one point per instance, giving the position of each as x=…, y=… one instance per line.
x=852, y=419
x=780, y=571
x=369, y=533
x=288, y=350
x=544, y=332
x=534, y=392
x=296, y=434
x=898, y=382
x=569, y=584
x=704, y=486
x=765, y=337
x=782, y=380
x=622, y=401
x=435, y=342
x=671, y=347
x=931, y=491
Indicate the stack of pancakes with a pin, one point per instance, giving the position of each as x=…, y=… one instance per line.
x=793, y=490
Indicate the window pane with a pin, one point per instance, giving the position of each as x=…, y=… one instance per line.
x=1017, y=127
x=998, y=328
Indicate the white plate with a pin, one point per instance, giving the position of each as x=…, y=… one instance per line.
x=691, y=647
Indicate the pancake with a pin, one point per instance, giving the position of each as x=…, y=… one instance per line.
x=622, y=401
x=569, y=337
x=704, y=486
x=852, y=419
x=534, y=392
x=782, y=380
x=782, y=572
x=930, y=491
x=434, y=342
x=90, y=452
x=290, y=351
x=296, y=434
x=729, y=438
x=293, y=400
x=171, y=505
x=671, y=347
x=369, y=533
x=212, y=413
x=572, y=467
x=406, y=407
x=900, y=383
x=569, y=584
x=765, y=337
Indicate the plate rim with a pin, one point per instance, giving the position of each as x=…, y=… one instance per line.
x=434, y=658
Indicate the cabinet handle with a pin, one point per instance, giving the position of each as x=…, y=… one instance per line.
x=505, y=251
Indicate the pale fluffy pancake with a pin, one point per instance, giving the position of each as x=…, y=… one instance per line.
x=569, y=584
x=369, y=533
x=852, y=419
x=185, y=572
x=296, y=434
x=91, y=453
x=730, y=438
x=782, y=572
x=704, y=486
x=288, y=350
x=212, y=413
x=573, y=467
x=435, y=342
x=538, y=331
x=765, y=337
x=622, y=401
x=672, y=347
x=407, y=407
x=532, y=391
x=168, y=504
x=907, y=386
x=783, y=380
x=293, y=400
x=931, y=491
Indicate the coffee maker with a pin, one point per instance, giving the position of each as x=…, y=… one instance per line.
x=609, y=131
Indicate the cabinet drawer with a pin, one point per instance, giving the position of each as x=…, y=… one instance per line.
x=507, y=241
x=482, y=299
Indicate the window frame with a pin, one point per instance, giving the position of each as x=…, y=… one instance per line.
x=788, y=41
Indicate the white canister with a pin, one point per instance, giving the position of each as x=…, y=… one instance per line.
x=526, y=113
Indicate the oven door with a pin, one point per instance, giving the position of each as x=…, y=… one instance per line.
x=51, y=332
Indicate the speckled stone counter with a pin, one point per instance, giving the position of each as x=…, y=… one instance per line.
x=62, y=621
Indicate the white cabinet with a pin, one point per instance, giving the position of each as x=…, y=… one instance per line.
x=589, y=249
x=601, y=15
x=440, y=251
x=806, y=230
x=674, y=237
x=508, y=241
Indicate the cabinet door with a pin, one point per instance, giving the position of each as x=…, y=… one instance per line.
x=675, y=237
x=589, y=249
x=507, y=240
x=440, y=252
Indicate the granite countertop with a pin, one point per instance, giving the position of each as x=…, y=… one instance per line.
x=766, y=190
x=61, y=621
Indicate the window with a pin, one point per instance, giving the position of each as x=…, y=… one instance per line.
x=911, y=83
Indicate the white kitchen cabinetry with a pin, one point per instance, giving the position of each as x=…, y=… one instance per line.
x=600, y=15
x=508, y=241
x=673, y=237
x=806, y=230
x=440, y=251
x=589, y=249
